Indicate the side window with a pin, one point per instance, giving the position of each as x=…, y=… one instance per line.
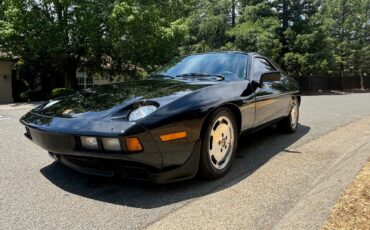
x=261, y=66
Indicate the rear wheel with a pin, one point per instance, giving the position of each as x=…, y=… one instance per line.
x=290, y=123
x=219, y=143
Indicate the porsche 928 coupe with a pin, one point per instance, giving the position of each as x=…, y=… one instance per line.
x=183, y=119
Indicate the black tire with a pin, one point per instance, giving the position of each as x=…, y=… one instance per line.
x=290, y=123
x=207, y=162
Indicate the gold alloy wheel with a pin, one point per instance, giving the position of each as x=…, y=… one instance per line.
x=294, y=114
x=221, y=142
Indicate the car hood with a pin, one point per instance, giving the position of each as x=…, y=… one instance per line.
x=103, y=101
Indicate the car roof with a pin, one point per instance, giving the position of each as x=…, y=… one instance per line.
x=230, y=52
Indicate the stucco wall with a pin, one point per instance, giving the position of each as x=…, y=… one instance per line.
x=6, y=83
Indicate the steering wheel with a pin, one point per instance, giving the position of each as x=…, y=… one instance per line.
x=228, y=74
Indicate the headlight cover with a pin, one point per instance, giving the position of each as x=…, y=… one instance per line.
x=111, y=144
x=142, y=112
x=89, y=143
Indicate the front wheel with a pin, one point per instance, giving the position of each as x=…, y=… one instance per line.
x=219, y=143
x=290, y=123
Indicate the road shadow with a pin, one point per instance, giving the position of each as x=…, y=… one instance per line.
x=254, y=151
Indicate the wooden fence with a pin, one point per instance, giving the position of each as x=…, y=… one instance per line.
x=333, y=83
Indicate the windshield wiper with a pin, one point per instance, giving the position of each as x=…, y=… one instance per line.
x=201, y=75
x=161, y=75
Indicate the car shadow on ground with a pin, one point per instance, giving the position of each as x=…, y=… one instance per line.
x=254, y=151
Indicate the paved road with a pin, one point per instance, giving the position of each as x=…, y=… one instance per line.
x=37, y=193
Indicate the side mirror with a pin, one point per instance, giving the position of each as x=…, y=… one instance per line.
x=270, y=77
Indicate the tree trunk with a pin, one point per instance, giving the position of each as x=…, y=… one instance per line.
x=233, y=13
x=70, y=80
x=285, y=25
x=342, y=51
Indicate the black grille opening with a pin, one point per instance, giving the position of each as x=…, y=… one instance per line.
x=125, y=169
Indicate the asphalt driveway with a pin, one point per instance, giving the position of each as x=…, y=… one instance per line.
x=271, y=180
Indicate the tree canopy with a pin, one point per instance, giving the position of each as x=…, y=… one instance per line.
x=132, y=37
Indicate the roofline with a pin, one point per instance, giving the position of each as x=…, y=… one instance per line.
x=7, y=59
x=232, y=51
x=215, y=52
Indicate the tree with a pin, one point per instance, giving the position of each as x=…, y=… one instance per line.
x=131, y=37
x=145, y=33
x=347, y=23
x=257, y=29
x=208, y=24
x=58, y=37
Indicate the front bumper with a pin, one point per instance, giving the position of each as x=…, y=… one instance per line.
x=131, y=170
x=158, y=163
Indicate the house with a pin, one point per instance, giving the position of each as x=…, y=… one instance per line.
x=85, y=81
x=6, y=66
x=8, y=84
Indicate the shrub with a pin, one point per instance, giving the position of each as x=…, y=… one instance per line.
x=58, y=92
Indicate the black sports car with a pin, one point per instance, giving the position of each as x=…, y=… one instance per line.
x=184, y=118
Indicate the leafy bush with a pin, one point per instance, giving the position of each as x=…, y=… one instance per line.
x=58, y=92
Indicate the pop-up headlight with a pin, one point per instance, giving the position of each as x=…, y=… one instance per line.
x=142, y=112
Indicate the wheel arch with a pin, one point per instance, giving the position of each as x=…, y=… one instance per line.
x=234, y=109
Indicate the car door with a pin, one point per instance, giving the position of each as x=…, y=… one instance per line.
x=270, y=102
x=247, y=99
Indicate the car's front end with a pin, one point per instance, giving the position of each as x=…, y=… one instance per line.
x=119, y=141
x=115, y=148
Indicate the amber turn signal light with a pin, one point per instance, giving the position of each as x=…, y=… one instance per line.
x=173, y=136
x=133, y=144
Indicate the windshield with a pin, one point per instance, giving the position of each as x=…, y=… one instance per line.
x=229, y=65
